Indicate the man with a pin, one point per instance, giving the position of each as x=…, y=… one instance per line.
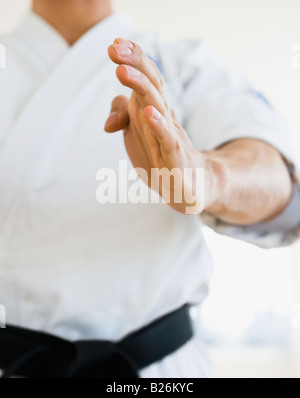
x=80, y=270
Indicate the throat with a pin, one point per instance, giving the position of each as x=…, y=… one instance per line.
x=72, y=18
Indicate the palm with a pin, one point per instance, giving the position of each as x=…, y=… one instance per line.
x=133, y=143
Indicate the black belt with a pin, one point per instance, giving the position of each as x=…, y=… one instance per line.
x=32, y=354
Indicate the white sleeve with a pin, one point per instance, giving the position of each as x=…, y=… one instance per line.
x=217, y=106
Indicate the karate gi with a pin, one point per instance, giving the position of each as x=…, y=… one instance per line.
x=80, y=270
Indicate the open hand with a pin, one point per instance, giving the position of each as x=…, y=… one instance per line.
x=153, y=138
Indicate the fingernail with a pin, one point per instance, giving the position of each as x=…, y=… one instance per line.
x=122, y=50
x=113, y=117
x=155, y=114
x=132, y=72
x=125, y=42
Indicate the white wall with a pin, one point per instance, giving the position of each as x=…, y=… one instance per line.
x=10, y=12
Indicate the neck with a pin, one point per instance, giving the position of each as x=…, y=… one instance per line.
x=72, y=18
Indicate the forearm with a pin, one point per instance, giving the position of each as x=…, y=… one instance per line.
x=248, y=182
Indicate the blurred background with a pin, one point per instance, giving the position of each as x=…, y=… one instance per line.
x=251, y=320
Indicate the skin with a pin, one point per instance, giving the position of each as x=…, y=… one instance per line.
x=72, y=18
x=246, y=180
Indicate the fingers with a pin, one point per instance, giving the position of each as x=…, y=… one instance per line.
x=144, y=90
x=118, y=118
x=139, y=73
x=129, y=53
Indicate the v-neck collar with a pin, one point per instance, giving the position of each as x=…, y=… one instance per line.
x=41, y=38
x=49, y=45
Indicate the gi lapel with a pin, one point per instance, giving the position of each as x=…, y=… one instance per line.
x=29, y=135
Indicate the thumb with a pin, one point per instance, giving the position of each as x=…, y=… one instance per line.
x=118, y=118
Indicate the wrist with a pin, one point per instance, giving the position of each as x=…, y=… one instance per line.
x=216, y=182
